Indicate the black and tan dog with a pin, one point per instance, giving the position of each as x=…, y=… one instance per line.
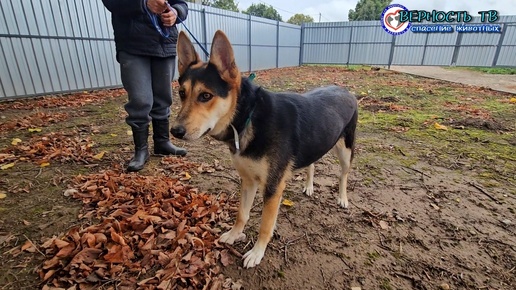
x=268, y=134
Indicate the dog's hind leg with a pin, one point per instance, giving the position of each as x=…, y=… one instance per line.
x=344, y=154
x=247, y=194
x=272, y=200
x=309, y=186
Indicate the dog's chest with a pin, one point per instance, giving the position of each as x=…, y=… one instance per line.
x=251, y=169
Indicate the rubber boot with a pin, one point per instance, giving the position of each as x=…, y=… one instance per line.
x=162, y=145
x=141, y=149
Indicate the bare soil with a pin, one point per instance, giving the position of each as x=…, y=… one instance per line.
x=432, y=189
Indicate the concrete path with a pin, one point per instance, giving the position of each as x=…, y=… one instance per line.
x=503, y=83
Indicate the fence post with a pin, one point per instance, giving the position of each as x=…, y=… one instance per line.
x=499, y=46
x=301, y=44
x=250, y=46
x=277, y=43
x=391, y=55
x=424, y=49
x=205, y=31
x=349, y=45
x=457, y=48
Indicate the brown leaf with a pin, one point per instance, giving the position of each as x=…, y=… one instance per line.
x=28, y=247
x=48, y=264
x=119, y=254
x=60, y=243
x=165, y=285
x=100, y=238
x=86, y=256
x=225, y=258
x=66, y=251
x=117, y=238
x=49, y=274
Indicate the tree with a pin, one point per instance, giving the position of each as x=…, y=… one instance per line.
x=368, y=10
x=262, y=10
x=298, y=19
x=225, y=4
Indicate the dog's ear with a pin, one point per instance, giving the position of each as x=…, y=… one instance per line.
x=222, y=57
x=186, y=54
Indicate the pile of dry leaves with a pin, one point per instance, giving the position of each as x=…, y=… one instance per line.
x=63, y=101
x=37, y=119
x=47, y=148
x=151, y=232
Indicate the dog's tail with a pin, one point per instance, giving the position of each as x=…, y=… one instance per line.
x=349, y=133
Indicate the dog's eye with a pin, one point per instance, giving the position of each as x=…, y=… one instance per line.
x=182, y=95
x=205, y=97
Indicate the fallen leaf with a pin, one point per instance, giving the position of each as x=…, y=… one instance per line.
x=87, y=256
x=7, y=166
x=435, y=206
x=113, y=135
x=439, y=126
x=512, y=100
x=70, y=192
x=225, y=258
x=44, y=164
x=3, y=195
x=117, y=238
x=287, y=202
x=99, y=156
x=129, y=132
x=32, y=130
x=15, y=141
x=28, y=247
x=384, y=225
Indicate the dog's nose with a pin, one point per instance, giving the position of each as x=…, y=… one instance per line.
x=178, y=131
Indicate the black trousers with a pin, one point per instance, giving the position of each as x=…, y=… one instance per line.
x=148, y=82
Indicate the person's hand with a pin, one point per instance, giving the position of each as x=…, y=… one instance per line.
x=169, y=17
x=157, y=6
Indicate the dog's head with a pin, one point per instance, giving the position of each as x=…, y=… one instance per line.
x=208, y=90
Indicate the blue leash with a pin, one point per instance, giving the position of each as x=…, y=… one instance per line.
x=165, y=31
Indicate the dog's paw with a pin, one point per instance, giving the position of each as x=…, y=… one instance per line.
x=343, y=202
x=253, y=257
x=231, y=237
x=309, y=190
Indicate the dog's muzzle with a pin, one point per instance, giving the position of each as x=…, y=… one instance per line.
x=178, y=131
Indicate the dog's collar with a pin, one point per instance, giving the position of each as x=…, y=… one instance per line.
x=235, y=132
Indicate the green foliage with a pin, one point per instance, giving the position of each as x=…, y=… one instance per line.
x=299, y=18
x=493, y=70
x=262, y=10
x=225, y=4
x=368, y=10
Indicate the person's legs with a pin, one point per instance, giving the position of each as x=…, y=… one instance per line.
x=162, y=70
x=136, y=78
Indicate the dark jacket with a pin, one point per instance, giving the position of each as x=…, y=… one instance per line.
x=134, y=31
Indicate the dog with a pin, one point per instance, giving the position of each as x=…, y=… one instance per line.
x=269, y=134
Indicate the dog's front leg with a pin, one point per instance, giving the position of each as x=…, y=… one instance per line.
x=309, y=186
x=247, y=194
x=271, y=199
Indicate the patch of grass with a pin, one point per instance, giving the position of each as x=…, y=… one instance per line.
x=351, y=67
x=386, y=284
x=492, y=70
x=373, y=255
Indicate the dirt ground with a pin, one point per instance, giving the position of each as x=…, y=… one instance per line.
x=432, y=187
x=503, y=83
